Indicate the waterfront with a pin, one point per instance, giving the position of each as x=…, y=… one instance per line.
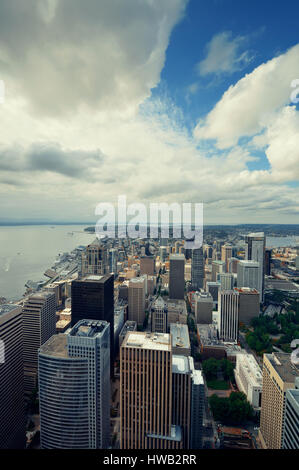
x=27, y=251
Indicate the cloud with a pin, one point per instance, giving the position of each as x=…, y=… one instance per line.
x=224, y=55
x=101, y=54
x=245, y=107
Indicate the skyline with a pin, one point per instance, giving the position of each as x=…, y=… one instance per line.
x=198, y=109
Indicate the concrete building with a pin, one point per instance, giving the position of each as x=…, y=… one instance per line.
x=248, y=275
x=94, y=259
x=279, y=375
x=217, y=268
x=180, y=339
x=268, y=256
x=39, y=324
x=176, y=311
x=74, y=388
x=197, y=268
x=119, y=320
x=209, y=343
x=159, y=316
x=226, y=281
x=255, y=251
x=12, y=411
x=233, y=265
x=188, y=400
x=176, y=276
x=203, y=307
x=228, y=320
x=128, y=326
x=291, y=418
x=226, y=254
x=146, y=393
x=214, y=288
x=249, y=304
x=136, y=300
x=147, y=265
x=93, y=298
x=249, y=379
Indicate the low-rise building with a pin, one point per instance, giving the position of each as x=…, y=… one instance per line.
x=249, y=379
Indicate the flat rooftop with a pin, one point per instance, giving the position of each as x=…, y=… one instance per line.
x=280, y=284
x=180, y=364
x=282, y=364
x=143, y=340
x=88, y=328
x=180, y=336
x=56, y=346
x=6, y=308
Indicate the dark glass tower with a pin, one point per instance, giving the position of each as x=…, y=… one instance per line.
x=93, y=299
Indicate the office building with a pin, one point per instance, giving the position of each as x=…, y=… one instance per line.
x=93, y=298
x=159, y=316
x=268, y=256
x=228, y=320
x=226, y=281
x=94, y=259
x=203, y=307
x=248, y=274
x=249, y=304
x=180, y=339
x=188, y=400
x=217, y=268
x=226, y=254
x=291, y=418
x=112, y=261
x=197, y=268
x=146, y=393
x=128, y=326
x=12, y=411
x=233, y=265
x=213, y=288
x=176, y=311
x=249, y=379
x=279, y=375
x=136, y=300
x=147, y=265
x=255, y=251
x=39, y=324
x=176, y=276
x=74, y=388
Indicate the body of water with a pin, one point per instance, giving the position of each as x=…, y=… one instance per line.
x=281, y=242
x=27, y=251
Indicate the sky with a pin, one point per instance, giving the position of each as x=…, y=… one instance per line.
x=159, y=100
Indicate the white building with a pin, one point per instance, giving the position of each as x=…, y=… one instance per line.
x=249, y=379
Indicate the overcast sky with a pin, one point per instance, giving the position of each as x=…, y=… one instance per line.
x=158, y=100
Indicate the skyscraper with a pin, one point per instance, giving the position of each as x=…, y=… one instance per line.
x=226, y=281
x=291, y=418
x=176, y=276
x=203, y=306
x=268, y=255
x=249, y=275
x=147, y=265
x=93, y=298
x=39, y=324
x=217, y=268
x=279, y=375
x=146, y=393
x=95, y=259
x=74, y=388
x=255, y=251
x=228, y=321
x=249, y=304
x=12, y=412
x=136, y=300
x=159, y=316
x=226, y=254
x=197, y=268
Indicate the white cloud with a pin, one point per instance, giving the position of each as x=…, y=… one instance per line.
x=244, y=107
x=224, y=55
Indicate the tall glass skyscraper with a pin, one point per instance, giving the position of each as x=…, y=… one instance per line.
x=74, y=388
x=197, y=269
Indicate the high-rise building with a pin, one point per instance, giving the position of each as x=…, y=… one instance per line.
x=12, y=411
x=279, y=375
x=146, y=393
x=176, y=276
x=203, y=307
x=136, y=300
x=188, y=400
x=74, y=388
x=163, y=254
x=39, y=324
x=249, y=304
x=213, y=288
x=94, y=259
x=217, y=268
x=226, y=254
x=233, y=265
x=197, y=268
x=249, y=275
x=255, y=251
x=228, y=320
x=226, y=281
x=147, y=265
x=268, y=256
x=159, y=316
x=291, y=418
x=112, y=260
x=93, y=298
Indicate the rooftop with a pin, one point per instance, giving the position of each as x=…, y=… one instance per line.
x=55, y=346
x=6, y=308
x=139, y=339
x=282, y=364
x=180, y=335
x=88, y=328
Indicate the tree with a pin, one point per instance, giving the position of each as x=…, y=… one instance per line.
x=210, y=368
